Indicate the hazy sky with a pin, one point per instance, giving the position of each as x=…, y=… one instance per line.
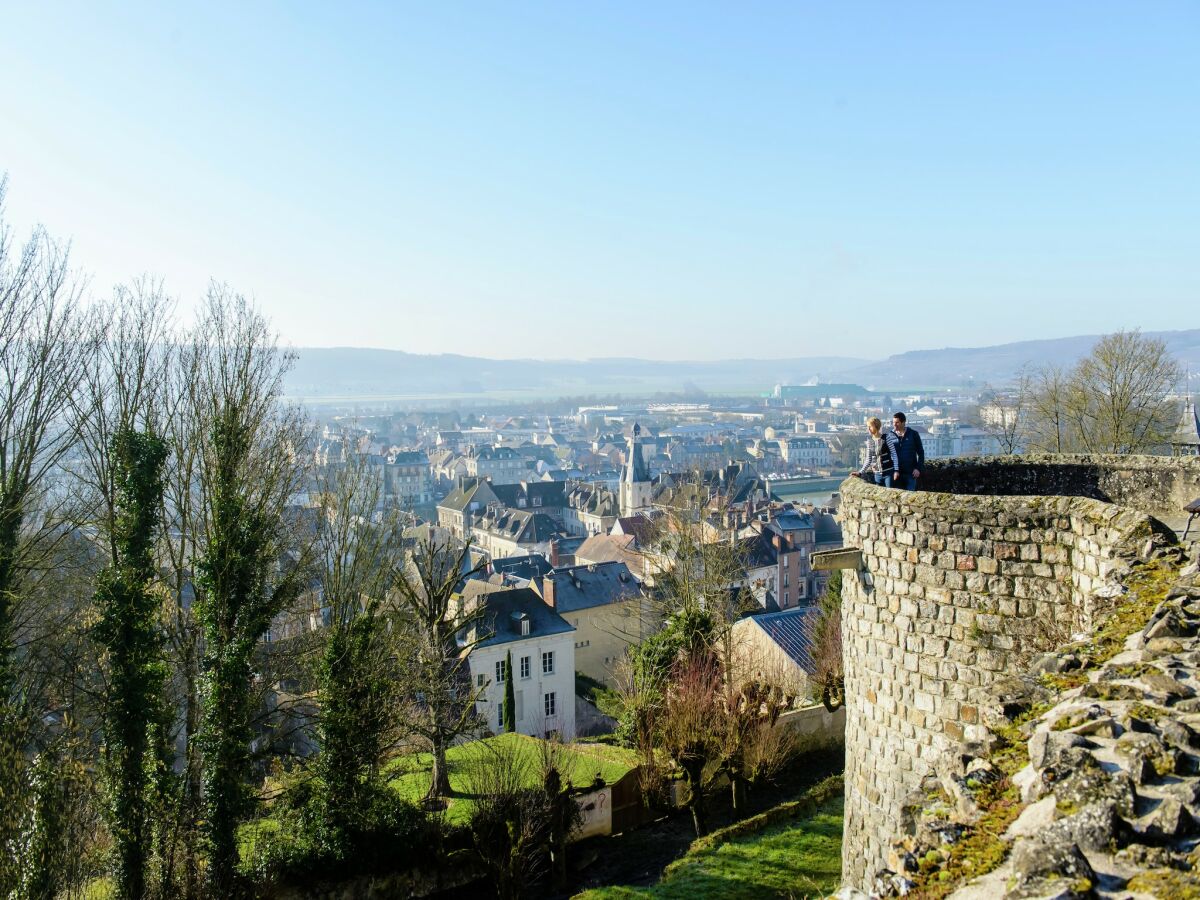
x=669, y=180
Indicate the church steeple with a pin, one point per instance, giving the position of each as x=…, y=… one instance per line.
x=635, y=477
x=1186, y=440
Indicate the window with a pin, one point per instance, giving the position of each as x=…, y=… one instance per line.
x=537, y=501
x=524, y=666
x=785, y=579
x=500, y=716
x=548, y=663
x=785, y=598
x=479, y=680
x=785, y=560
x=549, y=703
x=500, y=672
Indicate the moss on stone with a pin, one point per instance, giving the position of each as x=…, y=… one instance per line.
x=1167, y=884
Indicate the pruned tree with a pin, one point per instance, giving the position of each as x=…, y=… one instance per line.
x=754, y=747
x=690, y=729
x=430, y=621
x=248, y=469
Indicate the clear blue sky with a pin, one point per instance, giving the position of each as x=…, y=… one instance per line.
x=668, y=180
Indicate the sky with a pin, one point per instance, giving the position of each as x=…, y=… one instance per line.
x=665, y=180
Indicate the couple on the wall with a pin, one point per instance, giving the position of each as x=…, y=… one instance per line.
x=894, y=457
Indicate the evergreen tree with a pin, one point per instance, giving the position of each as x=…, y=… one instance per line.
x=510, y=700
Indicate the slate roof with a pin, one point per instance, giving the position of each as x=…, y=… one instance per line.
x=408, y=458
x=794, y=631
x=502, y=615
x=468, y=491
x=601, y=548
x=527, y=567
x=597, y=584
x=595, y=499
x=829, y=530
x=520, y=525
x=551, y=493
x=757, y=551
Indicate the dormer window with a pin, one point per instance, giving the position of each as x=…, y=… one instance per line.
x=524, y=628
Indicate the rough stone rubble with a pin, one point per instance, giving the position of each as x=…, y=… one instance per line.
x=1108, y=802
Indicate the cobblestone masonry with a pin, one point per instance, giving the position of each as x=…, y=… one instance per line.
x=956, y=590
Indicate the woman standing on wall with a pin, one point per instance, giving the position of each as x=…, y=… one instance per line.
x=882, y=461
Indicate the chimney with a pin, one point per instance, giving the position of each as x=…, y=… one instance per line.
x=554, y=553
x=548, y=590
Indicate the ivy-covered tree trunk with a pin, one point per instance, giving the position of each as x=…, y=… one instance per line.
x=13, y=776
x=235, y=605
x=510, y=698
x=133, y=642
x=10, y=531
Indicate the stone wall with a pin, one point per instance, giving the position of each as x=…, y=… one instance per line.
x=1158, y=485
x=815, y=728
x=956, y=590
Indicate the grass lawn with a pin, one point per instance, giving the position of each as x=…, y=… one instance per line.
x=797, y=858
x=409, y=775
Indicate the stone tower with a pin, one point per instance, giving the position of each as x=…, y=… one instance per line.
x=635, y=478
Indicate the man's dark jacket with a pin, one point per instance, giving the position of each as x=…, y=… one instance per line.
x=910, y=451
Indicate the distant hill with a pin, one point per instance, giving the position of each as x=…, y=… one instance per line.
x=324, y=373
x=357, y=372
x=954, y=366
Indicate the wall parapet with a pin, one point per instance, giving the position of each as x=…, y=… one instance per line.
x=959, y=589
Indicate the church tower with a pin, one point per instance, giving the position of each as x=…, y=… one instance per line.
x=635, y=478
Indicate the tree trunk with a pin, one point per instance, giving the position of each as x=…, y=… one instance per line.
x=439, y=786
x=694, y=772
x=192, y=796
x=737, y=792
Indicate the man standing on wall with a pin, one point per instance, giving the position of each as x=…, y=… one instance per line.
x=910, y=451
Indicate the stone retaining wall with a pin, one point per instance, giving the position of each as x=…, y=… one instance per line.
x=956, y=590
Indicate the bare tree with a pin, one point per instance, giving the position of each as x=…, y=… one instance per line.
x=1053, y=411
x=1005, y=415
x=431, y=622
x=1126, y=380
x=1113, y=401
x=42, y=340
